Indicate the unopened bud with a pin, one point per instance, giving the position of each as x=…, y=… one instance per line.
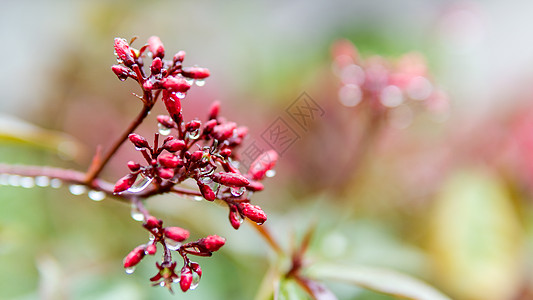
x=180, y=56
x=255, y=186
x=234, y=219
x=151, y=249
x=166, y=121
x=134, y=257
x=185, y=279
x=133, y=166
x=121, y=72
x=156, y=66
x=214, y=110
x=193, y=125
x=209, y=126
x=124, y=183
x=195, y=72
x=156, y=47
x=196, y=268
x=153, y=222
x=253, y=212
x=230, y=179
x=165, y=173
x=224, y=131
x=123, y=51
x=262, y=164
x=168, y=160
x=174, y=145
x=212, y=243
x=177, y=234
x=172, y=103
x=206, y=191
x=226, y=152
x=197, y=155
x=138, y=140
x=176, y=84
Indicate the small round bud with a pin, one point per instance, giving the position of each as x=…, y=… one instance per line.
x=214, y=110
x=226, y=152
x=123, y=51
x=138, y=140
x=209, y=126
x=133, y=166
x=234, y=219
x=206, y=191
x=165, y=173
x=197, y=155
x=156, y=47
x=179, y=57
x=124, y=183
x=176, y=84
x=253, y=212
x=166, y=121
x=153, y=222
x=134, y=257
x=212, y=243
x=196, y=268
x=151, y=249
x=185, y=279
x=168, y=160
x=193, y=125
x=172, y=103
x=177, y=234
x=224, y=131
x=121, y=72
x=230, y=179
x=156, y=66
x=195, y=72
x=174, y=145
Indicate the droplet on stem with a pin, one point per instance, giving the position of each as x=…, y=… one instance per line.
x=96, y=195
x=42, y=181
x=270, y=173
x=77, y=189
x=56, y=183
x=140, y=183
x=129, y=270
x=27, y=182
x=200, y=82
x=163, y=130
x=136, y=214
x=172, y=245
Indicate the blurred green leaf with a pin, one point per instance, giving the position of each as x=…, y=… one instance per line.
x=380, y=280
x=290, y=290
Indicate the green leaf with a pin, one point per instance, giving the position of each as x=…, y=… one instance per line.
x=380, y=280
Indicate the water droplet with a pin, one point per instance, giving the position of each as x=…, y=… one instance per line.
x=140, y=183
x=14, y=180
x=77, y=189
x=138, y=148
x=56, y=183
x=129, y=270
x=172, y=245
x=163, y=130
x=121, y=78
x=42, y=181
x=237, y=192
x=195, y=280
x=190, y=81
x=200, y=82
x=27, y=182
x=198, y=198
x=391, y=96
x=180, y=95
x=350, y=95
x=96, y=195
x=419, y=88
x=4, y=179
x=270, y=173
x=136, y=214
x=162, y=284
x=151, y=237
x=176, y=280
x=239, y=217
x=194, y=134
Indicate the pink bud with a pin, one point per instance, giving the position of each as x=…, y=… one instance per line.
x=156, y=66
x=133, y=166
x=168, y=160
x=174, y=145
x=224, y=131
x=253, y=212
x=206, y=191
x=156, y=47
x=185, y=279
x=197, y=155
x=153, y=222
x=172, y=103
x=148, y=85
x=195, y=72
x=255, y=186
x=196, y=268
x=165, y=173
x=212, y=243
x=124, y=183
x=176, y=84
x=209, y=126
x=262, y=164
x=193, y=125
x=214, y=110
x=230, y=179
x=123, y=51
x=121, y=72
x=151, y=249
x=177, y=234
x=166, y=121
x=234, y=219
x=134, y=257
x=226, y=152
x=138, y=141
x=180, y=56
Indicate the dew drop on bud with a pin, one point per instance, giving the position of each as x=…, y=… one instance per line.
x=200, y=82
x=129, y=270
x=140, y=183
x=27, y=182
x=237, y=192
x=56, y=183
x=194, y=134
x=163, y=130
x=176, y=280
x=197, y=198
x=136, y=214
x=172, y=245
x=180, y=95
x=42, y=181
x=4, y=179
x=77, y=189
x=13, y=180
x=270, y=173
x=190, y=81
x=162, y=284
x=195, y=281
x=96, y=195
x=239, y=218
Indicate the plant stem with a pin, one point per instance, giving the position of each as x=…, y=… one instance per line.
x=265, y=233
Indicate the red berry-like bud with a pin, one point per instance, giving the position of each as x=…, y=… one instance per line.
x=177, y=234
x=226, y=152
x=195, y=72
x=123, y=51
x=165, y=173
x=212, y=243
x=193, y=125
x=156, y=66
x=214, y=110
x=168, y=160
x=196, y=268
x=176, y=84
x=172, y=103
x=255, y=186
x=180, y=56
x=197, y=155
x=253, y=212
x=121, y=72
x=235, y=219
x=241, y=131
x=134, y=257
x=224, y=131
x=148, y=85
x=206, y=191
x=151, y=249
x=185, y=279
x=262, y=164
x=230, y=179
x=153, y=222
x=124, y=183
x=209, y=126
x=166, y=121
x=156, y=47
x=133, y=166
x=174, y=145
x=138, y=141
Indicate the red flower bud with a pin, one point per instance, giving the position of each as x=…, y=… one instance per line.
x=124, y=183
x=172, y=103
x=224, y=131
x=180, y=56
x=176, y=84
x=196, y=268
x=151, y=249
x=153, y=222
x=185, y=279
x=195, y=72
x=165, y=173
x=138, y=141
x=174, y=145
x=121, y=72
x=123, y=51
x=253, y=212
x=177, y=234
x=214, y=110
x=241, y=131
x=168, y=160
x=212, y=243
x=133, y=166
x=134, y=257
x=206, y=191
x=166, y=121
x=156, y=66
x=255, y=186
x=234, y=219
x=197, y=155
x=156, y=47
x=262, y=164
x=193, y=125
x=226, y=152
x=148, y=85
x=209, y=126
x=230, y=179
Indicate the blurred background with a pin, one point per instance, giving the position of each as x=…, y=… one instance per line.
x=440, y=192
